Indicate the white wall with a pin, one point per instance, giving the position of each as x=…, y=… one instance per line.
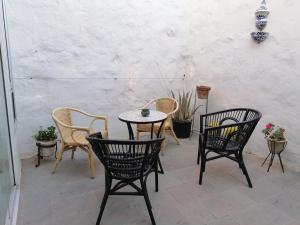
x=110, y=56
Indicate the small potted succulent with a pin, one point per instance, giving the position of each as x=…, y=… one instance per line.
x=182, y=119
x=275, y=137
x=46, y=137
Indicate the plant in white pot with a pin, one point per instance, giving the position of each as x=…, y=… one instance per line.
x=275, y=137
x=45, y=138
x=182, y=118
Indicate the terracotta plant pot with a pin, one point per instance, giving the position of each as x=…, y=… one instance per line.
x=203, y=91
x=276, y=146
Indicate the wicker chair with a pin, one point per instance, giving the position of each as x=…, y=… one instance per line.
x=74, y=136
x=226, y=134
x=126, y=161
x=166, y=105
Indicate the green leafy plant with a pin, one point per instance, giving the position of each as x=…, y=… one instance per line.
x=48, y=134
x=274, y=132
x=186, y=109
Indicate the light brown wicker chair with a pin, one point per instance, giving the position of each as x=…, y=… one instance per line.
x=166, y=105
x=74, y=136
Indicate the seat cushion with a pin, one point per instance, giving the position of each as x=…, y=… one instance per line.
x=217, y=143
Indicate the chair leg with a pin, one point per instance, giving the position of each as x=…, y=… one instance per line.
x=162, y=148
x=198, y=155
x=148, y=204
x=91, y=164
x=199, y=150
x=59, y=158
x=237, y=157
x=104, y=200
x=202, y=167
x=163, y=144
x=175, y=137
x=73, y=151
x=243, y=167
x=156, y=176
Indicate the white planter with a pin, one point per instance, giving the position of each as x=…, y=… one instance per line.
x=45, y=150
x=276, y=146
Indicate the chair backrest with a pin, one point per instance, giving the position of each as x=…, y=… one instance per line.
x=165, y=105
x=61, y=117
x=233, y=125
x=126, y=159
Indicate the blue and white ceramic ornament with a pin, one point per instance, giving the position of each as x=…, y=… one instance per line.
x=261, y=15
x=262, y=12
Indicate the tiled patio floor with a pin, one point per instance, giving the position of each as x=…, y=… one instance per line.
x=71, y=197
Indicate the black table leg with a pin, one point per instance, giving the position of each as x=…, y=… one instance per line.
x=161, y=170
x=131, y=135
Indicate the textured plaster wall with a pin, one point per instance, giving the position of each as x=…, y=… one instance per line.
x=110, y=56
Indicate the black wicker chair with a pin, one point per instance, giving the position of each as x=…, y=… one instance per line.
x=126, y=161
x=226, y=134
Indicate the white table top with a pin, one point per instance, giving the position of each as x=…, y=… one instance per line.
x=135, y=116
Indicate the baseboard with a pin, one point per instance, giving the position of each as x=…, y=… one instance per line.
x=27, y=155
x=11, y=217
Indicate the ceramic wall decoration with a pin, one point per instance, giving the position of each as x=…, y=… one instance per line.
x=261, y=23
x=262, y=11
x=259, y=36
x=261, y=15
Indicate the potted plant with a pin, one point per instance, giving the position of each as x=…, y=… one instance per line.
x=182, y=118
x=275, y=138
x=45, y=138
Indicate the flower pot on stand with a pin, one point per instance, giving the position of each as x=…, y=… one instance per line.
x=276, y=148
x=203, y=91
x=47, y=148
x=182, y=129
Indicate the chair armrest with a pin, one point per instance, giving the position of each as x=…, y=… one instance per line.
x=96, y=117
x=71, y=127
x=100, y=118
x=87, y=114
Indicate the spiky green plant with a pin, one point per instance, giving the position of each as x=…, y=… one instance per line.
x=186, y=109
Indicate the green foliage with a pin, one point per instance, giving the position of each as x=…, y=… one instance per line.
x=186, y=109
x=48, y=134
x=273, y=132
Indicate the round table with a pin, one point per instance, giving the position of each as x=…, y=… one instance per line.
x=135, y=117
